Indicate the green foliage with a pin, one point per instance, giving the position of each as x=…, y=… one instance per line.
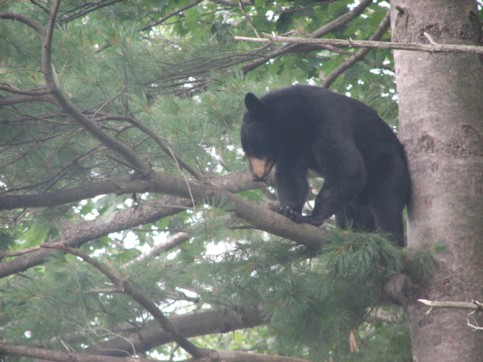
x=182, y=78
x=312, y=299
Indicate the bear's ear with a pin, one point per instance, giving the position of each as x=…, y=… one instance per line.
x=253, y=104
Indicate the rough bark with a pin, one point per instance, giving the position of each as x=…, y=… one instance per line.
x=441, y=125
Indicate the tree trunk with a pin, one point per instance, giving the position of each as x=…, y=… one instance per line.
x=441, y=125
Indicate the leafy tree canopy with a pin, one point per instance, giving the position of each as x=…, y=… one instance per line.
x=121, y=173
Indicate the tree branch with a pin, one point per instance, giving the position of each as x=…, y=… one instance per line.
x=24, y=20
x=190, y=325
x=159, y=141
x=66, y=106
x=360, y=54
x=52, y=355
x=24, y=98
x=238, y=356
x=474, y=305
x=190, y=192
x=176, y=12
x=90, y=230
x=33, y=92
x=128, y=288
x=157, y=249
x=232, y=182
x=327, y=28
x=119, y=185
x=432, y=48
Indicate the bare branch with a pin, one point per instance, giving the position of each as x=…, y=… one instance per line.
x=438, y=48
x=176, y=12
x=247, y=18
x=233, y=3
x=52, y=355
x=327, y=28
x=474, y=326
x=232, y=182
x=47, y=48
x=157, y=249
x=359, y=55
x=474, y=305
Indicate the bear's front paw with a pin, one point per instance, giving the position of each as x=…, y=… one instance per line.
x=290, y=213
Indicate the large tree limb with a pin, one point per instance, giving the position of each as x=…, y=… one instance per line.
x=190, y=193
x=190, y=325
x=52, y=355
x=81, y=233
x=232, y=182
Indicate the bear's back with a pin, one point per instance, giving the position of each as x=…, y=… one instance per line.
x=311, y=110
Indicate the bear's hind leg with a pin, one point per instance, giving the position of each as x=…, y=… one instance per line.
x=357, y=217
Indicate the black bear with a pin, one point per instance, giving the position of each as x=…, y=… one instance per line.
x=300, y=128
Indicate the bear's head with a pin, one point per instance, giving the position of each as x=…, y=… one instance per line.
x=257, y=138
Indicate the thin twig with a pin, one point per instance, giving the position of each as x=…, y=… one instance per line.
x=247, y=18
x=359, y=55
x=166, y=17
x=159, y=140
x=325, y=29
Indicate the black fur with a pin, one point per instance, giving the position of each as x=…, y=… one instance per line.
x=366, y=178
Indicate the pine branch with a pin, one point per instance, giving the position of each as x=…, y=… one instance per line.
x=157, y=249
x=174, y=13
x=84, y=9
x=159, y=141
x=189, y=192
x=83, y=232
x=128, y=288
x=191, y=325
x=360, y=54
x=431, y=48
x=24, y=20
x=327, y=28
x=111, y=142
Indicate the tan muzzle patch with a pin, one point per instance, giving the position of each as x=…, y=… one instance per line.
x=260, y=168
